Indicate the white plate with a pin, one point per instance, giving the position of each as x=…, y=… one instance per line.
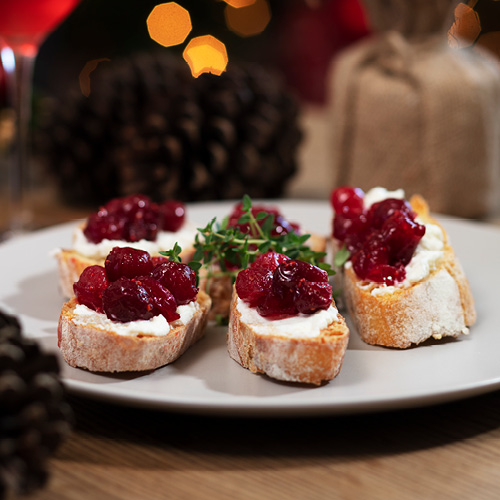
x=206, y=381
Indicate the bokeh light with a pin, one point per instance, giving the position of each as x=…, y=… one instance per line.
x=206, y=54
x=466, y=28
x=240, y=3
x=169, y=24
x=250, y=20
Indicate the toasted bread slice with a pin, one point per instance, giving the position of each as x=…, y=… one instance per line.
x=440, y=305
x=309, y=360
x=96, y=349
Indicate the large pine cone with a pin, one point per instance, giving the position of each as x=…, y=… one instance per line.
x=34, y=417
x=149, y=127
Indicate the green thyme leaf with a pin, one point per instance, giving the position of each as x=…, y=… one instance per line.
x=173, y=254
x=194, y=265
x=246, y=203
x=341, y=257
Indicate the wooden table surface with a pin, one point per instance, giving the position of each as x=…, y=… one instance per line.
x=449, y=451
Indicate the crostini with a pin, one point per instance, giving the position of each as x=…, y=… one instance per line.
x=220, y=287
x=284, y=323
x=402, y=282
x=132, y=315
x=133, y=221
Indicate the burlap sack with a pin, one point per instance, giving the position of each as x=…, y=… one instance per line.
x=409, y=111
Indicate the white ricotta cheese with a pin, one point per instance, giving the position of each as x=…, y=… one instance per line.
x=157, y=326
x=299, y=326
x=377, y=194
x=165, y=241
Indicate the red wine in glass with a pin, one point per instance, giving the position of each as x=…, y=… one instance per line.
x=24, y=24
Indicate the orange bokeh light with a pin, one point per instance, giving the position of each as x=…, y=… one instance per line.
x=169, y=24
x=239, y=3
x=84, y=77
x=205, y=54
x=250, y=20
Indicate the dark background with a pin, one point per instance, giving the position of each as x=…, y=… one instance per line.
x=299, y=40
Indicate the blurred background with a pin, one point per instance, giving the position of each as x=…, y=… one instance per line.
x=289, y=46
x=115, y=113
x=299, y=38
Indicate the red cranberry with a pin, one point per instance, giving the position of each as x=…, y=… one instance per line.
x=90, y=287
x=142, y=218
x=280, y=225
x=163, y=300
x=347, y=200
x=179, y=278
x=312, y=296
x=128, y=262
x=361, y=264
x=269, y=261
x=373, y=253
x=252, y=284
x=381, y=211
x=102, y=225
x=354, y=228
x=303, y=284
x=274, y=307
x=131, y=218
x=158, y=259
x=288, y=274
x=402, y=236
x=126, y=300
x=355, y=241
x=130, y=204
x=386, y=274
x=172, y=215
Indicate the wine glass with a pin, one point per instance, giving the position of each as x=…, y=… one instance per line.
x=24, y=24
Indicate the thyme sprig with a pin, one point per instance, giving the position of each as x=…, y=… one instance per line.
x=223, y=250
x=341, y=256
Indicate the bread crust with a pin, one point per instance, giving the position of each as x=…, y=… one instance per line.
x=97, y=350
x=441, y=305
x=291, y=359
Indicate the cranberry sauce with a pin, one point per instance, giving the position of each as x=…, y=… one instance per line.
x=133, y=286
x=381, y=240
x=280, y=226
x=134, y=218
x=278, y=286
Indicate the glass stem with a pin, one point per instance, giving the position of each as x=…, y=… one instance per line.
x=18, y=68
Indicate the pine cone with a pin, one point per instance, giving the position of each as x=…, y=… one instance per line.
x=149, y=127
x=33, y=415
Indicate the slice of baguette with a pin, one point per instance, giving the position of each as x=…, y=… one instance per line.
x=71, y=263
x=441, y=305
x=97, y=350
x=292, y=359
x=220, y=288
